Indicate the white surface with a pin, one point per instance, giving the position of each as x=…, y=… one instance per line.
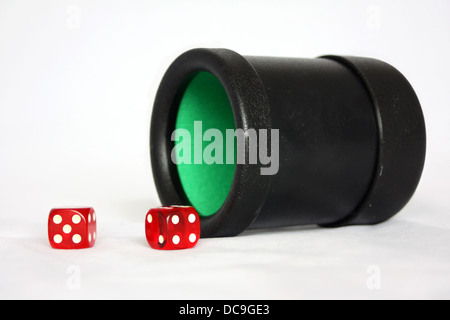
x=77, y=81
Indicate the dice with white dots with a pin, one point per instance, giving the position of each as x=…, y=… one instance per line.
x=72, y=228
x=173, y=227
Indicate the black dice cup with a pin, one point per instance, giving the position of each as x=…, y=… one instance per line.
x=261, y=142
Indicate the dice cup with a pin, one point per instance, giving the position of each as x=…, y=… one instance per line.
x=351, y=140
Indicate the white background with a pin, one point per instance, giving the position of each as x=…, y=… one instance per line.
x=77, y=83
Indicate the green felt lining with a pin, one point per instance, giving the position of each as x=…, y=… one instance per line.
x=205, y=185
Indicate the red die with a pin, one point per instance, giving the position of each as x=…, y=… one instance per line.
x=72, y=228
x=175, y=227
